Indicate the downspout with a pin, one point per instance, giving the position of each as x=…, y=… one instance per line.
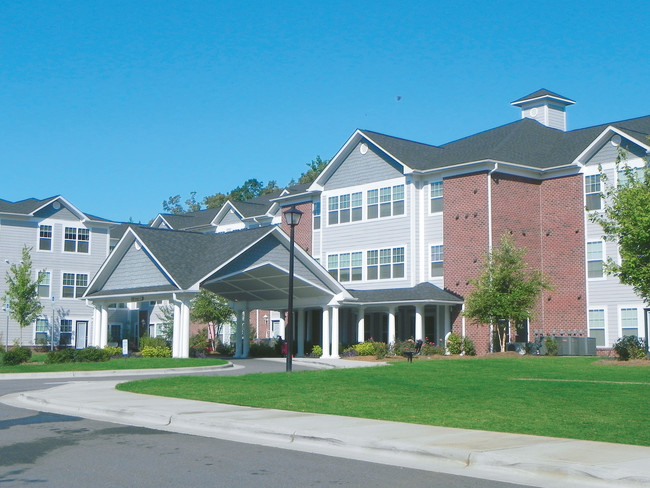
x=490, y=243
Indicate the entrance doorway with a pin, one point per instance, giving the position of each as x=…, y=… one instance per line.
x=81, y=334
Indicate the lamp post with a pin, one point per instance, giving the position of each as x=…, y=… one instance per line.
x=292, y=218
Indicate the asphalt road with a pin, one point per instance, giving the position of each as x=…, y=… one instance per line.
x=49, y=450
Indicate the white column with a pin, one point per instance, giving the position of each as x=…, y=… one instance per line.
x=185, y=329
x=326, y=332
x=238, y=334
x=361, y=324
x=419, y=322
x=246, y=332
x=391, y=325
x=176, y=331
x=302, y=317
x=103, y=325
x=96, y=327
x=335, y=332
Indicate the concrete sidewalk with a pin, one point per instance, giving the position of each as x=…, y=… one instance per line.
x=527, y=460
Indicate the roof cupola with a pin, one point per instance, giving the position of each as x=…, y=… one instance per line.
x=545, y=107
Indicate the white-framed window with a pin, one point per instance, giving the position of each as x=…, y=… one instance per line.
x=74, y=285
x=385, y=264
x=638, y=173
x=316, y=215
x=629, y=322
x=345, y=208
x=437, y=259
x=436, y=196
x=76, y=240
x=592, y=192
x=44, y=285
x=44, y=237
x=42, y=325
x=596, y=319
x=346, y=266
x=595, y=259
x=385, y=202
x=65, y=336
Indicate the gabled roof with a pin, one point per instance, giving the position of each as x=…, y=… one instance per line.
x=30, y=206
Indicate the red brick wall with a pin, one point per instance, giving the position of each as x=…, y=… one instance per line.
x=546, y=217
x=465, y=221
x=303, y=231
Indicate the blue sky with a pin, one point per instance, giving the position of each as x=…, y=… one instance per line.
x=117, y=105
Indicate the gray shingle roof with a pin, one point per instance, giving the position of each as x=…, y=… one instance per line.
x=539, y=94
x=190, y=256
x=30, y=205
x=525, y=142
x=420, y=292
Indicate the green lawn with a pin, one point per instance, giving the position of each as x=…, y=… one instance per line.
x=594, y=399
x=35, y=366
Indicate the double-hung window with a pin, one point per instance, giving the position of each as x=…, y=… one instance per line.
x=45, y=238
x=592, y=192
x=333, y=209
x=384, y=264
x=437, y=259
x=44, y=285
x=595, y=259
x=597, y=325
x=316, y=215
x=629, y=322
x=624, y=175
x=74, y=285
x=345, y=208
x=436, y=196
x=76, y=240
x=346, y=266
x=386, y=202
x=65, y=338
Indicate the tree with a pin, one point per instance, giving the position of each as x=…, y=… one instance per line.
x=167, y=326
x=22, y=291
x=173, y=204
x=506, y=291
x=212, y=309
x=316, y=167
x=625, y=220
x=252, y=189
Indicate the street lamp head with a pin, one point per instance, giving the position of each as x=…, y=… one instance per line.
x=292, y=216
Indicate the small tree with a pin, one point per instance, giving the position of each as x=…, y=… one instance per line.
x=212, y=309
x=167, y=317
x=506, y=291
x=22, y=292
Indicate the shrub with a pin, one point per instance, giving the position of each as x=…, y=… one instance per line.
x=62, y=356
x=113, y=351
x=152, y=342
x=399, y=347
x=368, y=348
x=468, y=346
x=16, y=356
x=430, y=349
x=316, y=351
x=264, y=350
x=381, y=350
x=225, y=349
x=454, y=344
x=349, y=352
x=199, y=343
x=629, y=347
x=156, y=352
x=551, y=346
x=91, y=355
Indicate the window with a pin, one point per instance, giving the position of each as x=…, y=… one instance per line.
x=437, y=257
x=117, y=305
x=316, y=215
x=637, y=173
x=65, y=338
x=345, y=208
x=384, y=264
x=597, y=326
x=592, y=192
x=595, y=259
x=436, y=196
x=42, y=326
x=74, y=285
x=45, y=238
x=386, y=202
x=76, y=240
x=629, y=322
x=346, y=266
x=44, y=285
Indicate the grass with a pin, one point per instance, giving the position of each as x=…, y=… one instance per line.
x=580, y=398
x=36, y=366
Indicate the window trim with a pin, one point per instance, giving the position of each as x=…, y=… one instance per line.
x=51, y=238
x=639, y=318
x=76, y=239
x=75, y=286
x=604, y=328
x=383, y=252
x=49, y=285
x=442, y=260
x=439, y=197
x=588, y=193
x=602, y=259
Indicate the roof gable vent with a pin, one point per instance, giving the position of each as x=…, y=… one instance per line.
x=545, y=107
